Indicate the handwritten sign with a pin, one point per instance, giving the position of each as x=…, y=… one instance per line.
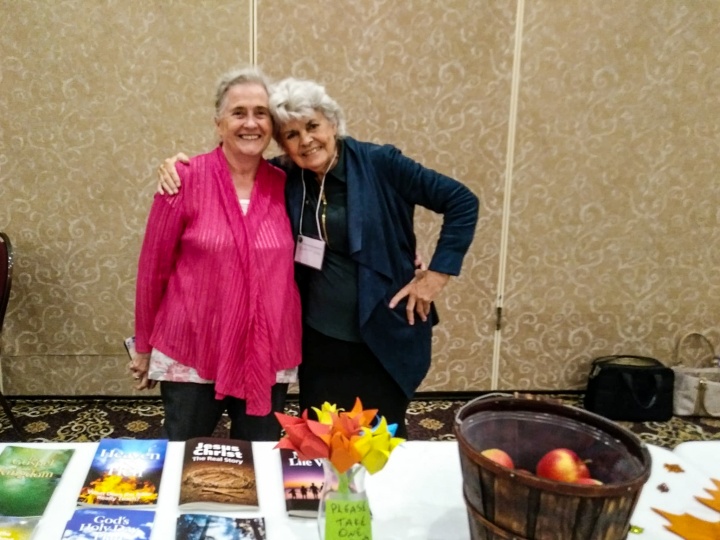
x=347, y=519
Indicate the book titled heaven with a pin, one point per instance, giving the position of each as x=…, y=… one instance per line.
x=125, y=472
x=218, y=474
x=28, y=478
x=109, y=524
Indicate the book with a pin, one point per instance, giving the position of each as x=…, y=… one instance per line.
x=130, y=346
x=206, y=527
x=218, y=474
x=17, y=528
x=109, y=523
x=125, y=472
x=681, y=499
x=28, y=478
x=302, y=482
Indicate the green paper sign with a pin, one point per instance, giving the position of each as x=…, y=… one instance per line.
x=347, y=519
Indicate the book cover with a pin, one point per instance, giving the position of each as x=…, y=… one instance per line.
x=17, y=528
x=28, y=478
x=109, y=524
x=302, y=482
x=125, y=472
x=218, y=474
x=207, y=527
x=130, y=346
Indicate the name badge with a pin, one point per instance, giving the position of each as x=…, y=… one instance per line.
x=309, y=251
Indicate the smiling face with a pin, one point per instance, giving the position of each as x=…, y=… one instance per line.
x=244, y=123
x=310, y=142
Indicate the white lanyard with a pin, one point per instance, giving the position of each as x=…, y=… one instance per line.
x=317, y=208
x=311, y=251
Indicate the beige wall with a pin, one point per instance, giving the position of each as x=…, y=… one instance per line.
x=593, y=145
x=614, y=235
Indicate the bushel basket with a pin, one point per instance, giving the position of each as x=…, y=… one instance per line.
x=507, y=504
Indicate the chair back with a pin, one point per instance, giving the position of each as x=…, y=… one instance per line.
x=6, y=265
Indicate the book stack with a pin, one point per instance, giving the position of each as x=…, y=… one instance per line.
x=119, y=494
x=218, y=475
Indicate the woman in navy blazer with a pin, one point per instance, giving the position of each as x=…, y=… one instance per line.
x=367, y=309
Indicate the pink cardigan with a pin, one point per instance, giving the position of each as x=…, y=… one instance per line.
x=215, y=288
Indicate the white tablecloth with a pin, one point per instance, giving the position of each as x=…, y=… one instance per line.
x=418, y=496
x=700, y=461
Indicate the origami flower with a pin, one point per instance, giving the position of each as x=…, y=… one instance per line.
x=375, y=445
x=308, y=438
x=345, y=438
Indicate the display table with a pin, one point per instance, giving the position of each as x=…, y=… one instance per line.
x=417, y=496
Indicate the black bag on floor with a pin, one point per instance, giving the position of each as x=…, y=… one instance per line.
x=631, y=388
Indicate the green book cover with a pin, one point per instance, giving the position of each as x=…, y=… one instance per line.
x=28, y=478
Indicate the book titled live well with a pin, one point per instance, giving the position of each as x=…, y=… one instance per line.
x=109, y=523
x=125, y=472
x=303, y=482
x=28, y=478
x=205, y=526
x=218, y=474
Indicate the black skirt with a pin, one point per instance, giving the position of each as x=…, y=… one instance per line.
x=338, y=371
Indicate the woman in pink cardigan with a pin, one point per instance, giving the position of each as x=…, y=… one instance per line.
x=217, y=315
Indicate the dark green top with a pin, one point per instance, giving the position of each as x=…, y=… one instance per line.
x=332, y=302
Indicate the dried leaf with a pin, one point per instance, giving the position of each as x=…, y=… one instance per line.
x=690, y=527
x=714, y=501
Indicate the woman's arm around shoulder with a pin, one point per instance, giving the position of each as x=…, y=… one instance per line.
x=168, y=179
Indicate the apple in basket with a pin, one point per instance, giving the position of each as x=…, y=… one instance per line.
x=589, y=481
x=563, y=465
x=499, y=456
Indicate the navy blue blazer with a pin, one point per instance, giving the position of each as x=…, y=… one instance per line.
x=383, y=188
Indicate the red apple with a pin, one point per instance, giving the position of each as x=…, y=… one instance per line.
x=561, y=464
x=499, y=456
x=583, y=471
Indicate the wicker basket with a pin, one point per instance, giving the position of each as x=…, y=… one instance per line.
x=505, y=504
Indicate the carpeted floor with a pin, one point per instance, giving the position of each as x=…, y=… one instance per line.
x=77, y=420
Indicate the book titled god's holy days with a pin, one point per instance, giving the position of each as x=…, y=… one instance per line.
x=109, y=523
x=125, y=472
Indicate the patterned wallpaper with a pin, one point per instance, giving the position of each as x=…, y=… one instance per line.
x=599, y=222
x=92, y=95
x=614, y=240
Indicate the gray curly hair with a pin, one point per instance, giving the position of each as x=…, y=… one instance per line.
x=294, y=99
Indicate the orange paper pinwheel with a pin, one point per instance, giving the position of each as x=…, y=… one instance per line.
x=343, y=437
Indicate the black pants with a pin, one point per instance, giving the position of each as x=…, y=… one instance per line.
x=191, y=410
x=338, y=371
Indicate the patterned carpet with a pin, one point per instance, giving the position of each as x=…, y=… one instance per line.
x=78, y=420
